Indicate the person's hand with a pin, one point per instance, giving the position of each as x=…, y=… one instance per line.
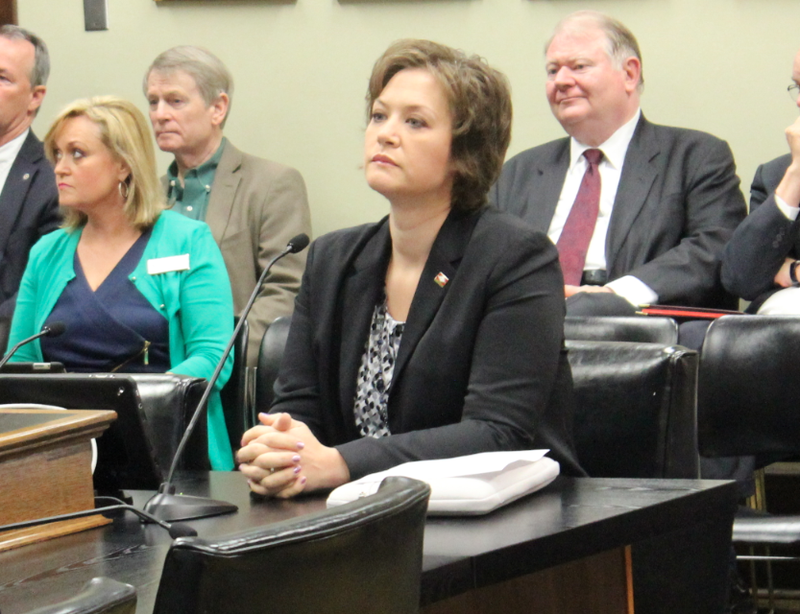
x=571, y=290
x=782, y=277
x=282, y=458
x=793, y=138
x=789, y=187
x=270, y=470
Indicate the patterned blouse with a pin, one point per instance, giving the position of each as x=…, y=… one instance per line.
x=375, y=373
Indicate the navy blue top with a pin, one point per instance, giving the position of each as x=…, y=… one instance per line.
x=113, y=328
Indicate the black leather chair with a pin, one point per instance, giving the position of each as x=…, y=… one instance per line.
x=152, y=413
x=638, y=329
x=234, y=395
x=635, y=409
x=749, y=404
x=635, y=417
x=269, y=363
x=363, y=557
x=749, y=387
x=99, y=596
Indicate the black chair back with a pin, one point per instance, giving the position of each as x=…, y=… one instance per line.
x=234, y=393
x=638, y=329
x=749, y=387
x=269, y=362
x=362, y=557
x=635, y=409
x=153, y=411
x=99, y=596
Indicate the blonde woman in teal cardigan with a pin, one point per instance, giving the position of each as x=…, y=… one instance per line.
x=138, y=288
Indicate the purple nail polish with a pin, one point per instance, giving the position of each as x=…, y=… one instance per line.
x=303, y=480
x=296, y=458
x=297, y=469
x=300, y=445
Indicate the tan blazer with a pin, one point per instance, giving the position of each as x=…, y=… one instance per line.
x=255, y=208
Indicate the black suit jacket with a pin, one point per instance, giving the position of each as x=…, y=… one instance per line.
x=481, y=366
x=763, y=241
x=28, y=211
x=677, y=204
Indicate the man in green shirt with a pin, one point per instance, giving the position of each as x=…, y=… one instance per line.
x=253, y=206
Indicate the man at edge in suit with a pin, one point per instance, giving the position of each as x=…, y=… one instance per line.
x=253, y=206
x=760, y=264
x=28, y=193
x=669, y=198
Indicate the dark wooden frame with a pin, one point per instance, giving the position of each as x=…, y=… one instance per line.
x=8, y=12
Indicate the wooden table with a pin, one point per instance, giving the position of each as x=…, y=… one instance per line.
x=468, y=561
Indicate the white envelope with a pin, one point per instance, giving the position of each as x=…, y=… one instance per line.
x=466, y=485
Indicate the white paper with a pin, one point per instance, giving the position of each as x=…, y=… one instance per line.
x=460, y=466
x=474, y=484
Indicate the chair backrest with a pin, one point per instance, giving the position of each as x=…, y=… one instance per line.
x=269, y=362
x=639, y=329
x=749, y=386
x=363, y=557
x=152, y=413
x=635, y=409
x=99, y=596
x=168, y=402
x=234, y=393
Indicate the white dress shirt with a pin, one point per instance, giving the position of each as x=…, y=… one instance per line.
x=614, y=150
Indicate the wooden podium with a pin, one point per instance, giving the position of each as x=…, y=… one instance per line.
x=45, y=470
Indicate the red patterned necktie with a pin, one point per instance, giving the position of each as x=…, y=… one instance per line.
x=574, y=240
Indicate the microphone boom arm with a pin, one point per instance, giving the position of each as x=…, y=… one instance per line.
x=201, y=406
x=168, y=506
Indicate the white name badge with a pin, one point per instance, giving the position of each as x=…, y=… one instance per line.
x=156, y=266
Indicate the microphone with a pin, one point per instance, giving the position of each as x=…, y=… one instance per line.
x=50, y=330
x=297, y=244
x=166, y=505
x=175, y=530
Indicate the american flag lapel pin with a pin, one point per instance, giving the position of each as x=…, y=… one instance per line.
x=441, y=279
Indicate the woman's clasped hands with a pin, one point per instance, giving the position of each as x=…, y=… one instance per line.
x=282, y=458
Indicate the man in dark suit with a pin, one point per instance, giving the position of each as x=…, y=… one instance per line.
x=760, y=263
x=28, y=193
x=669, y=197
x=757, y=262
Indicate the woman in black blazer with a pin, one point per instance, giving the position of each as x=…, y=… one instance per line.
x=438, y=331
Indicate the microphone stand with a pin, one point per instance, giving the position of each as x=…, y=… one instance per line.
x=166, y=505
x=54, y=330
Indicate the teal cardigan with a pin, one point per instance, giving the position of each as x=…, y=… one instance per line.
x=197, y=303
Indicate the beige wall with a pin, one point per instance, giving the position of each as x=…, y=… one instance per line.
x=301, y=70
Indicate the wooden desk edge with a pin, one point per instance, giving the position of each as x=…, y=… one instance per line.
x=70, y=424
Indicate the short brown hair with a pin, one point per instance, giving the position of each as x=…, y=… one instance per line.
x=124, y=131
x=480, y=104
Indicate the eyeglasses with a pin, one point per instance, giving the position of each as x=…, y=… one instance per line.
x=794, y=91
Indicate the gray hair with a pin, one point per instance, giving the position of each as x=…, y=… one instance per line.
x=41, y=62
x=620, y=41
x=207, y=70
